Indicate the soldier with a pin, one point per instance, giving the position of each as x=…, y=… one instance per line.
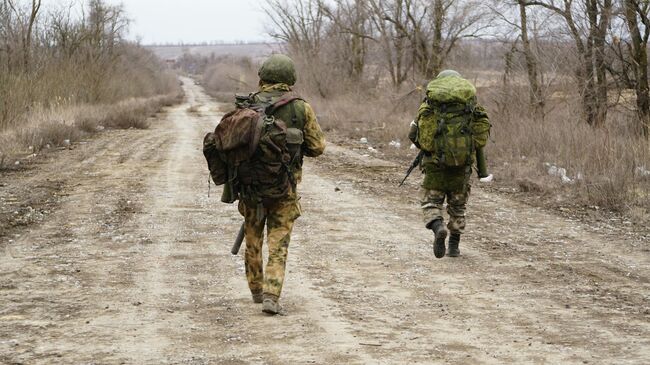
x=451, y=129
x=277, y=76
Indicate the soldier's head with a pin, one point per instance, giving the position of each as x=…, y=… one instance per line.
x=278, y=69
x=448, y=73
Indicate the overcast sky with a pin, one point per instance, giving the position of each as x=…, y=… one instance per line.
x=192, y=21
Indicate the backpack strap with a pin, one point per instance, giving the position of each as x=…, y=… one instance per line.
x=284, y=100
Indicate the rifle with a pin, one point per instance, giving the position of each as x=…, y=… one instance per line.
x=240, y=238
x=414, y=164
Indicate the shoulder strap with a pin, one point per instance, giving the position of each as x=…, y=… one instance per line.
x=284, y=100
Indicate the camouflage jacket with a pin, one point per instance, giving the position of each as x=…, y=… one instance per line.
x=297, y=114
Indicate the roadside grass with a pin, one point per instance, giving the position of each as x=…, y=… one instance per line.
x=44, y=129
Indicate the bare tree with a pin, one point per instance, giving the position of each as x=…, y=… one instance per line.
x=24, y=20
x=350, y=22
x=65, y=32
x=536, y=96
x=435, y=27
x=587, y=24
x=389, y=19
x=638, y=24
x=300, y=24
x=508, y=16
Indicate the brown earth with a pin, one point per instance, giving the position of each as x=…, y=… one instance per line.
x=112, y=252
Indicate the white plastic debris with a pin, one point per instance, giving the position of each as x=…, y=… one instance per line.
x=363, y=140
x=413, y=146
x=561, y=173
x=395, y=144
x=556, y=171
x=566, y=180
x=66, y=142
x=17, y=163
x=642, y=171
x=371, y=149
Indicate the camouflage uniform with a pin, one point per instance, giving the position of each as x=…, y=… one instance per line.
x=443, y=182
x=278, y=216
x=453, y=184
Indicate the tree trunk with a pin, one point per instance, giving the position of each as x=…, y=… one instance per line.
x=537, y=101
x=640, y=66
x=599, y=29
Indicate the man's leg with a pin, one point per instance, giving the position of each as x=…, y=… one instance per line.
x=280, y=222
x=456, y=206
x=254, y=233
x=431, y=204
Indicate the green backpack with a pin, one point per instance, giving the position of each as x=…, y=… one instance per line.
x=249, y=151
x=444, y=121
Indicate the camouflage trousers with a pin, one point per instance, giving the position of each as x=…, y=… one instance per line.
x=278, y=219
x=432, y=206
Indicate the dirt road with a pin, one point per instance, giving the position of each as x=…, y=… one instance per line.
x=113, y=253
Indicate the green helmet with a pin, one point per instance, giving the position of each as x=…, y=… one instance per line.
x=278, y=69
x=447, y=73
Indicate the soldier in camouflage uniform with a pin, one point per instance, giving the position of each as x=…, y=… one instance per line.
x=277, y=75
x=452, y=184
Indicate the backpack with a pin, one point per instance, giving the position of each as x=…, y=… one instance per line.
x=444, y=121
x=249, y=152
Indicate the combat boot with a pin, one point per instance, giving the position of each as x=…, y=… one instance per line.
x=270, y=305
x=257, y=296
x=440, y=232
x=454, y=240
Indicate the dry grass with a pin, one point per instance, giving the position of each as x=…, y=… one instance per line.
x=603, y=166
x=47, y=128
x=381, y=120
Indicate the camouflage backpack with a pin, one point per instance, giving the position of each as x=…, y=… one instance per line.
x=444, y=121
x=248, y=151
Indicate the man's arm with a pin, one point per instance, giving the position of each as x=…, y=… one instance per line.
x=314, y=144
x=480, y=127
